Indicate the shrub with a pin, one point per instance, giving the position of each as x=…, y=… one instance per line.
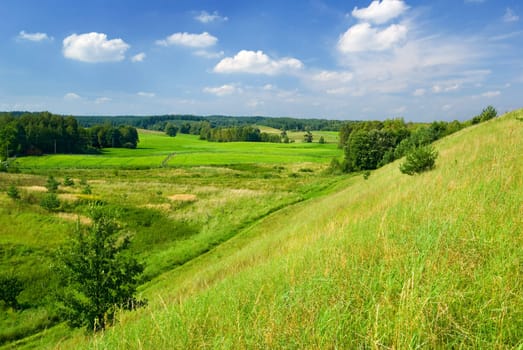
x=10, y=287
x=87, y=189
x=52, y=184
x=68, y=181
x=50, y=202
x=13, y=193
x=418, y=160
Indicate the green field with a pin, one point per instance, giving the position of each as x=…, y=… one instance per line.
x=187, y=150
x=275, y=253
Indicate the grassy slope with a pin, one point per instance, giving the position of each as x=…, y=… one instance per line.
x=394, y=261
x=167, y=232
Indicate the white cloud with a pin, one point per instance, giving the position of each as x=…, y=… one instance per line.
x=510, y=16
x=139, y=57
x=94, y=47
x=506, y=36
x=419, y=92
x=209, y=54
x=101, y=100
x=191, y=40
x=332, y=77
x=206, y=17
x=223, y=90
x=33, y=36
x=71, y=96
x=363, y=37
x=438, y=88
x=146, y=94
x=380, y=12
x=490, y=94
x=256, y=62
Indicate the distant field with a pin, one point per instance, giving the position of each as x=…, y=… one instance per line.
x=188, y=150
x=297, y=136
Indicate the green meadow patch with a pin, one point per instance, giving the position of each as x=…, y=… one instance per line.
x=158, y=150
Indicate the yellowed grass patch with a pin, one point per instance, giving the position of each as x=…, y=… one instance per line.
x=183, y=197
x=35, y=188
x=68, y=197
x=84, y=220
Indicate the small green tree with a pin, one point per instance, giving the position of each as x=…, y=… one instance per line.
x=10, y=288
x=418, y=160
x=50, y=201
x=13, y=193
x=99, y=275
x=321, y=140
x=488, y=113
x=171, y=129
x=52, y=184
x=307, y=137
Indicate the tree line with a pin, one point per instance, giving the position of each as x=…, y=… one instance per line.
x=371, y=144
x=43, y=132
x=188, y=121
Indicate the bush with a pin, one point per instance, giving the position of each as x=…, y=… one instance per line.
x=52, y=184
x=10, y=287
x=50, y=202
x=418, y=160
x=13, y=193
x=68, y=181
x=87, y=189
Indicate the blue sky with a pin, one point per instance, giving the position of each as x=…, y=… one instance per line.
x=422, y=60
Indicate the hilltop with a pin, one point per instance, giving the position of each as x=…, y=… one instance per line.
x=393, y=261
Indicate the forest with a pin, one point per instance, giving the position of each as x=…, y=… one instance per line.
x=43, y=132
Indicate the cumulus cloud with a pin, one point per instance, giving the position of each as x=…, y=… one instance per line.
x=33, y=36
x=206, y=17
x=139, y=57
x=223, y=90
x=363, y=37
x=380, y=12
x=256, y=62
x=94, y=47
x=510, y=16
x=71, y=96
x=190, y=40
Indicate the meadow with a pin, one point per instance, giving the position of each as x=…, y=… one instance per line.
x=283, y=255
x=157, y=150
x=176, y=211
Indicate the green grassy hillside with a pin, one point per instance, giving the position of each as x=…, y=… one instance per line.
x=432, y=261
